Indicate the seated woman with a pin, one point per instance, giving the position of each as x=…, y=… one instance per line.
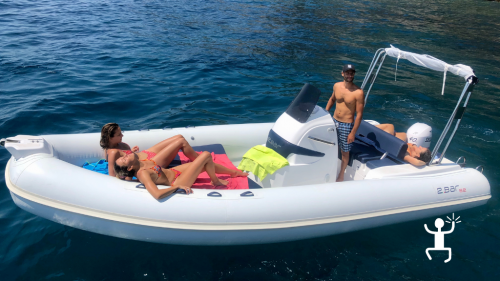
x=150, y=173
x=114, y=148
x=415, y=155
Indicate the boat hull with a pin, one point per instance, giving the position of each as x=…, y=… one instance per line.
x=243, y=233
x=53, y=186
x=226, y=237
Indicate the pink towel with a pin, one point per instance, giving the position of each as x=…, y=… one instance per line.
x=203, y=180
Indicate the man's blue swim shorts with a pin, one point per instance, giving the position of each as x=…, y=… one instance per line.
x=343, y=130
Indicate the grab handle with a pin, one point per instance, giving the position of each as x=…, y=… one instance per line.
x=247, y=194
x=462, y=164
x=320, y=140
x=214, y=194
x=480, y=168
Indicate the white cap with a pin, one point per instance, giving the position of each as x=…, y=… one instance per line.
x=420, y=134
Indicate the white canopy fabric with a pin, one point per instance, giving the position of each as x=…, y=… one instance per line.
x=432, y=63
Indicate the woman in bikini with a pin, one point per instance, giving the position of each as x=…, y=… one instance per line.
x=150, y=172
x=415, y=155
x=114, y=148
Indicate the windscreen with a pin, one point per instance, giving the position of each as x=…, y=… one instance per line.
x=303, y=104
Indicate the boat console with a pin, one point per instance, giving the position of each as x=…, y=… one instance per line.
x=306, y=136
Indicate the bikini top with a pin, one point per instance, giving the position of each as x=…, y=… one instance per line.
x=156, y=168
x=127, y=152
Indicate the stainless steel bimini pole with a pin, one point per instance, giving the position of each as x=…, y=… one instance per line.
x=448, y=124
x=456, y=115
x=375, y=77
x=370, y=78
x=370, y=68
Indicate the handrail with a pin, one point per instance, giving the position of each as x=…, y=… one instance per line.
x=375, y=77
x=370, y=68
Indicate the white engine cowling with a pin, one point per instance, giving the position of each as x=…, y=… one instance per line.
x=420, y=134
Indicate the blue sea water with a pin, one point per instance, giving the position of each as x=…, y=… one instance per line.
x=72, y=66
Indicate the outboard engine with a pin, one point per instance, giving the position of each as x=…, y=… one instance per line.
x=420, y=134
x=306, y=135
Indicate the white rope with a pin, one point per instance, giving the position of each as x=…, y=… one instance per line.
x=396, y=73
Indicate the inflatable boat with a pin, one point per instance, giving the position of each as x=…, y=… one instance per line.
x=299, y=201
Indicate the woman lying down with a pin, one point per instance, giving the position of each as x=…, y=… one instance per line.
x=415, y=155
x=150, y=172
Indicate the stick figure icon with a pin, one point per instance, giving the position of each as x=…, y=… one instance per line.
x=439, y=236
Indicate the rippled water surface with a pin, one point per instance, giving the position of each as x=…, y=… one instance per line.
x=72, y=66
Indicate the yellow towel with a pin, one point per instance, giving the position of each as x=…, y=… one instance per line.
x=262, y=161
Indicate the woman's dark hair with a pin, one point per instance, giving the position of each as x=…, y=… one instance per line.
x=123, y=172
x=107, y=132
x=425, y=156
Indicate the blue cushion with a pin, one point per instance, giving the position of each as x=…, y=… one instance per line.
x=380, y=163
x=371, y=143
x=362, y=152
x=382, y=140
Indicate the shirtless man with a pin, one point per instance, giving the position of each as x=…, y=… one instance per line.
x=349, y=99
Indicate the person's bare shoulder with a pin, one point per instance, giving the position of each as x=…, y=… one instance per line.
x=359, y=94
x=143, y=173
x=113, y=152
x=336, y=86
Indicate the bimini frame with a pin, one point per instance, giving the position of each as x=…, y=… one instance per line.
x=435, y=64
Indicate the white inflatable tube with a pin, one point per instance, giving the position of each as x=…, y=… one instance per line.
x=53, y=186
